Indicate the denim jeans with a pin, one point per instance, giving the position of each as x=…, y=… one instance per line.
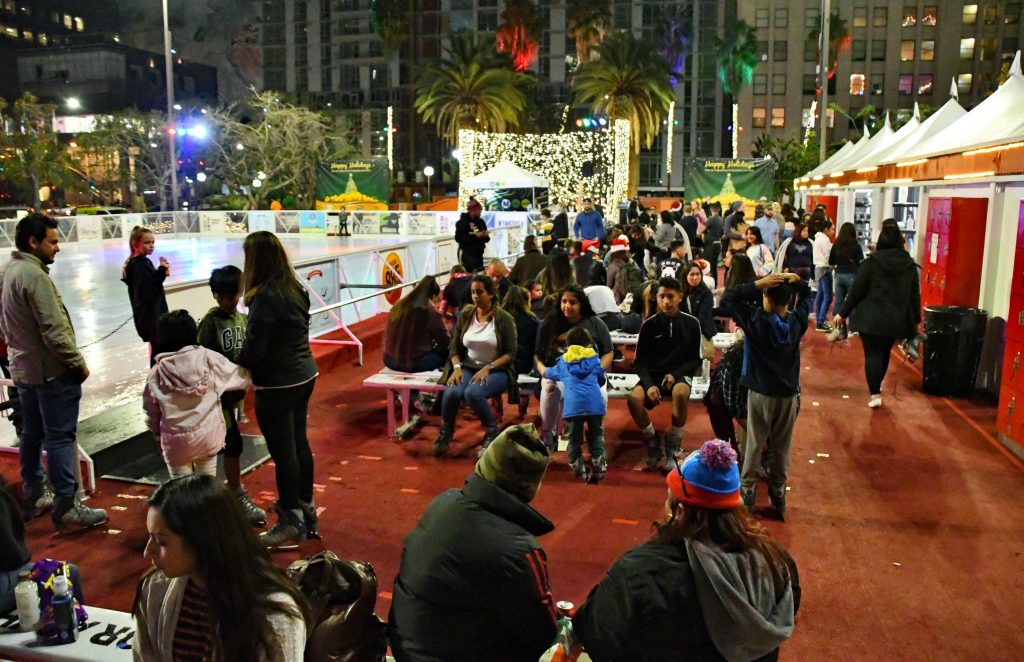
x=823, y=275
x=844, y=283
x=50, y=421
x=281, y=413
x=432, y=360
x=475, y=395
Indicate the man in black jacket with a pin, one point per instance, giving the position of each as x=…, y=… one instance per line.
x=473, y=583
x=713, y=230
x=771, y=373
x=471, y=235
x=667, y=357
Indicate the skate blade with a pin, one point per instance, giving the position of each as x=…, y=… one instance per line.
x=67, y=530
x=286, y=547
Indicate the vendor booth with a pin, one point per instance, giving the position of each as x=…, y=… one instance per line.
x=956, y=182
x=507, y=187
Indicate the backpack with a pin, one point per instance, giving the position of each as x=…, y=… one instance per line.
x=343, y=626
x=629, y=279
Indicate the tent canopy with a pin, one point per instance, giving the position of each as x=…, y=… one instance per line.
x=950, y=112
x=824, y=167
x=506, y=175
x=860, y=148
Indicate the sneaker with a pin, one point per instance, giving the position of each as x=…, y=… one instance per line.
x=822, y=327
x=290, y=527
x=38, y=500
x=913, y=346
x=444, y=439
x=673, y=446
x=749, y=499
x=256, y=515
x=69, y=512
x=552, y=442
x=490, y=434
x=876, y=401
x=600, y=467
x=777, y=498
x=310, y=517
x=655, y=453
x=580, y=469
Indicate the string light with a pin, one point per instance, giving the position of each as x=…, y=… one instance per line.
x=391, y=139
x=835, y=175
x=557, y=157
x=907, y=164
x=668, y=140
x=900, y=180
x=860, y=182
x=818, y=177
x=997, y=148
x=868, y=169
x=970, y=175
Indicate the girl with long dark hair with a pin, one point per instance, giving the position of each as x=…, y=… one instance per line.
x=277, y=354
x=573, y=310
x=886, y=295
x=213, y=593
x=558, y=273
x=698, y=300
x=845, y=256
x=710, y=583
x=796, y=254
x=415, y=339
x=760, y=255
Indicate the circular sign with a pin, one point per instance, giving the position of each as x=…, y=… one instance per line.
x=392, y=275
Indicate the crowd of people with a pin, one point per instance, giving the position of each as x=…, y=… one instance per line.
x=473, y=564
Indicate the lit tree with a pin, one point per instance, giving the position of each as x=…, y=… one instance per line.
x=471, y=87
x=736, y=53
x=519, y=33
x=30, y=153
x=588, y=22
x=628, y=80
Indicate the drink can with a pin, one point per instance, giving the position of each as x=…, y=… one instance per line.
x=565, y=608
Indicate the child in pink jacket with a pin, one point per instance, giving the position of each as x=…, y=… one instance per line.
x=182, y=396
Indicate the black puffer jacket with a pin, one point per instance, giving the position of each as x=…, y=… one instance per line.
x=886, y=295
x=473, y=583
x=146, y=292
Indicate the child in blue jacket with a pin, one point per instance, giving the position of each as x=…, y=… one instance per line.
x=583, y=402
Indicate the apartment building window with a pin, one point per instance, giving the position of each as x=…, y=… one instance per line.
x=909, y=17
x=348, y=26
x=760, y=17
x=487, y=3
x=906, y=87
x=878, y=50
x=325, y=31
x=963, y=83
x=778, y=83
x=462, y=4
x=760, y=84
x=782, y=18
x=930, y=16
x=1012, y=14
x=1009, y=47
x=857, y=84
x=880, y=17
x=907, y=50
x=376, y=48
x=273, y=79
x=988, y=13
x=461, y=20
x=779, y=50
x=301, y=55
x=300, y=11
x=811, y=17
x=925, y=84
x=325, y=79
x=928, y=49
x=988, y=49
x=970, y=16
x=762, y=51
x=273, y=34
x=810, y=85
x=79, y=24
x=860, y=17
x=273, y=56
x=967, y=48
x=760, y=118
x=622, y=14
x=487, y=21
x=778, y=117
x=859, y=50
x=810, y=51
x=325, y=55
x=877, y=84
x=348, y=50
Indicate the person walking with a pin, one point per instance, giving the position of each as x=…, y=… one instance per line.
x=48, y=371
x=283, y=372
x=886, y=296
x=821, y=247
x=845, y=256
x=471, y=235
x=713, y=230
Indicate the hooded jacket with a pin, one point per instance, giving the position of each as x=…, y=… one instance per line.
x=771, y=349
x=886, y=294
x=667, y=346
x=687, y=601
x=473, y=583
x=276, y=348
x=579, y=369
x=146, y=292
x=182, y=402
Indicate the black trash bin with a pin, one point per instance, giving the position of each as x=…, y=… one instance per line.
x=953, y=349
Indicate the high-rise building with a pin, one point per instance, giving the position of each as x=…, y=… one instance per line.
x=894, y=54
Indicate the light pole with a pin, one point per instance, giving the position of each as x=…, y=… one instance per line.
x=826, y=18
x=171, y=137
x=429, y=172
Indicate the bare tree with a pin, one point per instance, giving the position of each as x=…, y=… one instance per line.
x=30, y=153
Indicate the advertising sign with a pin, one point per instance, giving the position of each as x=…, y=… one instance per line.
x=352, y=185
x=729, y=180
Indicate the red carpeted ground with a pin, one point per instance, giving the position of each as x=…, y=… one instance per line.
x=905, y=521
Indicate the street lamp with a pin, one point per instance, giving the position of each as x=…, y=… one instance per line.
x=74, y=103
x=169, y=75
x=429, y=172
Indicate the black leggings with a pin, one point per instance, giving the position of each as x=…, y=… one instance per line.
x=281, y=413
x=877, y=350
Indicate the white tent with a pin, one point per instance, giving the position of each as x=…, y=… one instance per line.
x=826, y=166
x=994, y=121
x=950, y=112
x=895, y=139
x=505, y=175
x=860, y=149
x=882, y=140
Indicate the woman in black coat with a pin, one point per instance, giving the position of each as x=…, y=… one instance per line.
x=887, y=297
x=700, y=302
x=145, y=283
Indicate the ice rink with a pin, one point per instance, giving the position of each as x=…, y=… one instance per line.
x=88, y=277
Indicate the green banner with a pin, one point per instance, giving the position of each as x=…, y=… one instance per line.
x=353, y=185
x=728, y=180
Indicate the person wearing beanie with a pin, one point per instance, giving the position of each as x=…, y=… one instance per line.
x=473, y=581
x=709, y=584
x=471, y=235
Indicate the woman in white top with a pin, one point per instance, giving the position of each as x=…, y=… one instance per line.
x=760, y=255
x=213, y=592
x=822, y=242
x=481, y=363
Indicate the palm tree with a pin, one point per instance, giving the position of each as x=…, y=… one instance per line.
x=519, y=33
x=471, y=87
x=736, y=53
x=838, y=40
x=676, y=41
x=588, y=21
x=628, y=80
x=389, y=20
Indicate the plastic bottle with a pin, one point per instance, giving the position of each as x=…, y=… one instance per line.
x=64, y=612
x=26, y=596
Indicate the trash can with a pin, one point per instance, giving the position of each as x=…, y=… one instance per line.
x=953, y=349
